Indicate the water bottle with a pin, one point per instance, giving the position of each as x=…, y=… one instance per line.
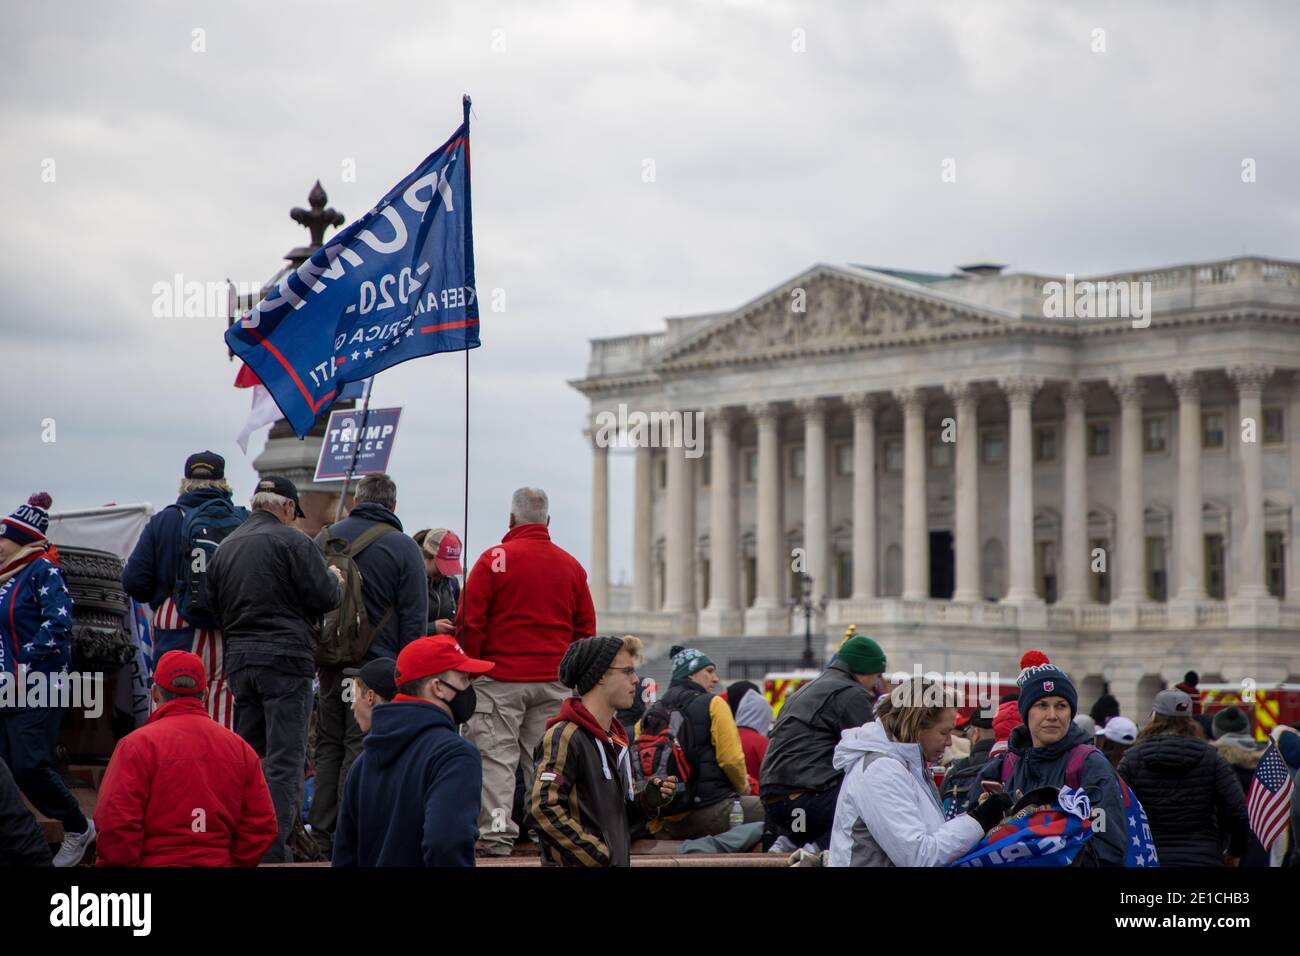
x=737, y=813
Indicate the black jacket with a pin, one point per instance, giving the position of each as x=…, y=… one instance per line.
x=270, y=587
x=150, y=572
x=21, y=841
x=444, y=601
x=961, y=773
x=801, y=745
x=709, y=783
x=392, y=577
x=1191, y=797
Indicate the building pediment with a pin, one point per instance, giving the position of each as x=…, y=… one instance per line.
x=831, y=309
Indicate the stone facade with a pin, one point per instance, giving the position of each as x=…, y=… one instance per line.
x=965, y=477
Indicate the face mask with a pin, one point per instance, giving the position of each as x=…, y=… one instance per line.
x=463, y=704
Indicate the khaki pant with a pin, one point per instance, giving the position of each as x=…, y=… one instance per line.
x=508, y=723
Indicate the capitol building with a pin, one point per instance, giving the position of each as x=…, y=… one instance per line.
x=968, y=465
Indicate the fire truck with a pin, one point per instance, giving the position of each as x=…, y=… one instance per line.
x=778, y=686
x=1267, y=705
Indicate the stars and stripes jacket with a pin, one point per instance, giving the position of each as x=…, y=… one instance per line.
x=35, y=612
x=583, y=791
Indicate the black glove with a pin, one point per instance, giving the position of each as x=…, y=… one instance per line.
x=990, y=813
x=653, y=796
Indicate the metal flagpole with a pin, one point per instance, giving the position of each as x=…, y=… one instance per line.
x=464, y=541
x=356, y=447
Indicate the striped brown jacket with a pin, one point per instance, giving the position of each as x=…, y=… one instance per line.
x=581, y=798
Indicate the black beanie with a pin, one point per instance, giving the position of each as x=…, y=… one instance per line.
x=736, y=692
x=586, y=661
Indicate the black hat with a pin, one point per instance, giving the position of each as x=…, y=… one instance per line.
x=206, y=465
x=379, y=675
x=279, y=485
x=586, y=661
x=978, y=719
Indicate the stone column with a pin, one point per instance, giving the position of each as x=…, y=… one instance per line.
x=722, y=615
x=1020, y=523
x=864, y=407
x=767, y=615
x=1131, y=523
x=916, y=542
x=643, y=532
x=966, y=494
x=1189, y=542
x=1293, y=444
x=1074, y=497
x=816, y=521
x=1250, y=380
x=679, y=584
x=598, y=579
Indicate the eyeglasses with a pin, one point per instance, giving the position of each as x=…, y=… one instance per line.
x=625, y=671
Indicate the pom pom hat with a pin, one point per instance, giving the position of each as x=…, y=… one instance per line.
x=1040, y=678
x=29, y=522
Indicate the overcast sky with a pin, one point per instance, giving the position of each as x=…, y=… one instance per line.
x=170, y=161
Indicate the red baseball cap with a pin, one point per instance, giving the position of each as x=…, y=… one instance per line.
x=444, y=547
x=176, y=664
x=436, y=654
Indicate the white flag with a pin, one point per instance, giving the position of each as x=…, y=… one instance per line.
x=263, y=412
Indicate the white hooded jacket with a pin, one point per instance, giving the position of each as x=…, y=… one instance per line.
x=888, y=812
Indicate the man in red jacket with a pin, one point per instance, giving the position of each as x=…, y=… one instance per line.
x=525, y=601
x=183, y=790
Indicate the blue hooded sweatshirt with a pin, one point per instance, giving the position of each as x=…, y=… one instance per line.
x=150, y=572
x=412, y=797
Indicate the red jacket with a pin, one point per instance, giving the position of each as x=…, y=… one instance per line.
x=525, y=601
x=162, y=775
x=754, y=745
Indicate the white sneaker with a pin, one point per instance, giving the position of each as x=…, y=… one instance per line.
x=783, y=844
x=74, y=846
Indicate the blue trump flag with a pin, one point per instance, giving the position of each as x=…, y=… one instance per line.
x=395, y=285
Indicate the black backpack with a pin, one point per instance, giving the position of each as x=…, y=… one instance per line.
x=956, y=787
x=202, y=530
x=660, y=751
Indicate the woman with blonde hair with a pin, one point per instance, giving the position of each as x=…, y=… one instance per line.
x=888, y=812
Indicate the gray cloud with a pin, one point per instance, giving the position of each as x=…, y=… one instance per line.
x=767, y=161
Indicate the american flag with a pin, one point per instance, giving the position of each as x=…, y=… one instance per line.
x=1269, y=801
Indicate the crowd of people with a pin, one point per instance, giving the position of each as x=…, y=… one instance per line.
x=440, y=722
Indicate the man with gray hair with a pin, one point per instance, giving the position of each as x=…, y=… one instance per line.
x=270, y=587
x=525, y=601
x=394, y=598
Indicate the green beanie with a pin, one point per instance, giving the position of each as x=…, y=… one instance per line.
x=862, y=655
x=687, y=660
